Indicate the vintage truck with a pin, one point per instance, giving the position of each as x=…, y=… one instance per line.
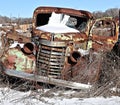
x=68, y=43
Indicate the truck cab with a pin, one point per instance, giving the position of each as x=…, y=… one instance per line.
x=58, y=32
x=61, y=33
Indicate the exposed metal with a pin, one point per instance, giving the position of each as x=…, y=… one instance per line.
x=54, y=57
x=58, y=56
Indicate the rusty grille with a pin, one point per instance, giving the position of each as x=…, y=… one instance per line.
x=51, y=58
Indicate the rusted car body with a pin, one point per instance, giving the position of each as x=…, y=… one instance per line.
x=58, y=46
x=60, y=32
x=59, y=35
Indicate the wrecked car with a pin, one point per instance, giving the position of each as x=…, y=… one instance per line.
x=66, y=42
x=61, y=33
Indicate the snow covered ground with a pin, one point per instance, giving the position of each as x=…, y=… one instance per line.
x=12, y=97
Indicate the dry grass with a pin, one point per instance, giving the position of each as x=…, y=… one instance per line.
x=109, y=79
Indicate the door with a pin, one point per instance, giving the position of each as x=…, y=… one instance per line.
x=103, y=34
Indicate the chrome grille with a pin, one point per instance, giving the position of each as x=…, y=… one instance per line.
x=51, y=58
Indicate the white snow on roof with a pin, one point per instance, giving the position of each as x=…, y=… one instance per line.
x=58, y=28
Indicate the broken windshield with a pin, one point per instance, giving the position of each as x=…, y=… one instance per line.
x=75, y=22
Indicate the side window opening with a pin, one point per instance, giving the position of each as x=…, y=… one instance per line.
x=82, y=23
x=78, y=23
x=42, y=19
x=104, y=28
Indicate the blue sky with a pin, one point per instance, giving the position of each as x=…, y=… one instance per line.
x=25, y=8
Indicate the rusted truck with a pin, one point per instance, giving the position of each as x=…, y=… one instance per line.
x=67, y=42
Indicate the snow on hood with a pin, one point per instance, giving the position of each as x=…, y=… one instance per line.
x=15, y=44
x=58, y=28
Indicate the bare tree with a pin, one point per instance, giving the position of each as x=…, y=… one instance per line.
x=114, y=12
x=98, y=14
